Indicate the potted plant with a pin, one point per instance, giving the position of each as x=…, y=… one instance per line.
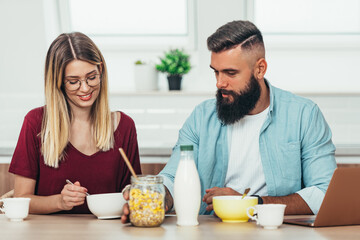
x=175, y=63
x=145, y=76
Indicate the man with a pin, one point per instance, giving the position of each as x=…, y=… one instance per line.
x=254, y=135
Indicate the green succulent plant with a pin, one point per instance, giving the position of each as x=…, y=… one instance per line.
x=139, y=62
x=175, y=62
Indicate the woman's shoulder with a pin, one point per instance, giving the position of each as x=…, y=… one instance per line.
x=125, y=122
x=34, y=117
x=126, y=119
x=125, y=130
x=36, y=113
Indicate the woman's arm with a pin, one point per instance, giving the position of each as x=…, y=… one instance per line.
x=70, y=196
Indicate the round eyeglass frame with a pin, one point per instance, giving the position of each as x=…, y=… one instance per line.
x=86, y=80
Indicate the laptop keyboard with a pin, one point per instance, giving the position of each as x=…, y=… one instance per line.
x=306, y=220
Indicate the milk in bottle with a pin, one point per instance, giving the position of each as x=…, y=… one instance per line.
x=187, y=190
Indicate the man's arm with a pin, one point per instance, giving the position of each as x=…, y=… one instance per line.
x=188, y=135
x=318, y=160
x=295, y=204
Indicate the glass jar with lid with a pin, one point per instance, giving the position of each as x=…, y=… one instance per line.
x=147, y=201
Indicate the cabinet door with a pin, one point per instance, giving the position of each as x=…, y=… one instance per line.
x=151, y=168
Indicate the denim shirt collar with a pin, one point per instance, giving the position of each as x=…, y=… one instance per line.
x=271, y=91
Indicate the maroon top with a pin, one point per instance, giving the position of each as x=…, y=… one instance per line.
x=102, y=172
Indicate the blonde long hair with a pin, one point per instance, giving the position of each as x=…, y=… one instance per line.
x=55, y=129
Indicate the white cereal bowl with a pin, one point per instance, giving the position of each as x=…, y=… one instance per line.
x=106, y=205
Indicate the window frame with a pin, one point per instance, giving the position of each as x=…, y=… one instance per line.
x=299, y=41
x=131, y=42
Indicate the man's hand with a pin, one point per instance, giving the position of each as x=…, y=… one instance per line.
x=126, y=210
x=216, y=191
x=169, y=201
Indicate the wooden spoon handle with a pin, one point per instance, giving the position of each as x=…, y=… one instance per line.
x=128, y=163
x=246, y=192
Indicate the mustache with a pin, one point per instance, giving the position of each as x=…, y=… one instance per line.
x=227, y=92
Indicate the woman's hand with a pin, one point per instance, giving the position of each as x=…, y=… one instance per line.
x=72, y=195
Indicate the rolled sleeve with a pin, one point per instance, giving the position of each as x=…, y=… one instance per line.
x=313, y=196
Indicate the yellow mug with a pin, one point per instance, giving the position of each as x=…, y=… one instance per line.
x=233, y=208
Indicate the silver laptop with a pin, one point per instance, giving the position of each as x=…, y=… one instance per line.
x=341, y=204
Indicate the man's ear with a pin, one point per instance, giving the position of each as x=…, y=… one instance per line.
x=260, y=68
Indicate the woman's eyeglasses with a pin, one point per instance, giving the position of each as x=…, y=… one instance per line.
x=74, y=84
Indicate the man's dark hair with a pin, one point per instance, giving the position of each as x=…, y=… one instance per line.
x=234, y=33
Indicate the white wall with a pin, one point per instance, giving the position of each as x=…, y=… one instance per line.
x=315, y=71
x=25, y=37
x=22, y=46
x=22, y=51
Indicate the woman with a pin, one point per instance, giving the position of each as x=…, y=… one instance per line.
x=74, y=136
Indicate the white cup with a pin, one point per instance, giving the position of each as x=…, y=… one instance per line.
x=270, y=216
x=16, y=209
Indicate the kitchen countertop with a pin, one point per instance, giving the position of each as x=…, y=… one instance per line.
x=160, y=154
x=341, y=150
x=347, y=150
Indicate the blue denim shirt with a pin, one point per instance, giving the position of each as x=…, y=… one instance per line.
x=295, y=144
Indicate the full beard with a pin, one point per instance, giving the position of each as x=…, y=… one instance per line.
x=243, y=102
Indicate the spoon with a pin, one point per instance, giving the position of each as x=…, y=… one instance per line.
x=69, y=182
x=128, y=163
x=245, y=193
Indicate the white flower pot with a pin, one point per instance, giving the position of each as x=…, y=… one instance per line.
x=146, y=77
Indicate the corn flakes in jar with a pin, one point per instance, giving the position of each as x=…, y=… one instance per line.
x=147, y=201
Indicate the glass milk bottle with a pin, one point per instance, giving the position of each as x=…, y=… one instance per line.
x=187, y=190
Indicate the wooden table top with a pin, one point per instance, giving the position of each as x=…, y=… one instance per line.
x=67, y=227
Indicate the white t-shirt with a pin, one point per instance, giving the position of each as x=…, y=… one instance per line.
x=245, y=167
